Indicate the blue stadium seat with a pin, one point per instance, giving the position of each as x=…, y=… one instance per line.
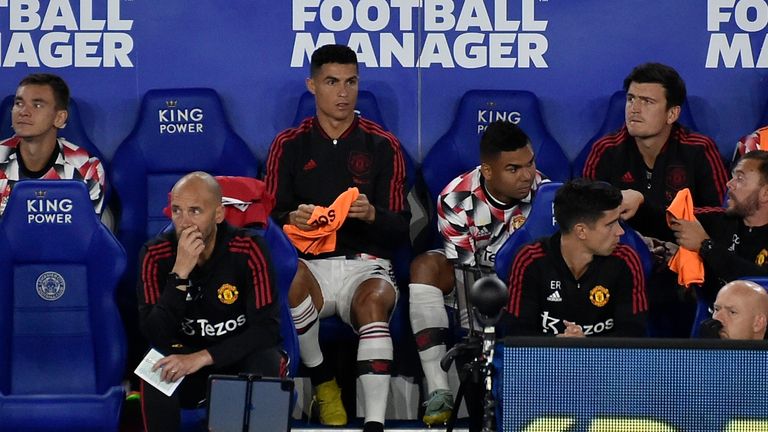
x=614, y=120
x=539, y=223
x=177, y=131
x=62, y=345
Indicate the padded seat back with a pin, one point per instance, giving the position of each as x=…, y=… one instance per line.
x=61, y=339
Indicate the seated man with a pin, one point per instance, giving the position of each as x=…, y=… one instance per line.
x=35, y=152
x=207, y=300
x=477, y=212
x=652, y=157
x=732, y=242
x=580, y=281
x=741, y=308
x=334, y=153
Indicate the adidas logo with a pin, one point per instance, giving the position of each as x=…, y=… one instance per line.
x=627, y=177
x=555, y=297
x=310, y=165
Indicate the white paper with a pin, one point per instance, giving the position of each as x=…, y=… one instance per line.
x=144, y=370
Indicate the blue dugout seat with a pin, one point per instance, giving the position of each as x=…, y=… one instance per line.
x=177, y=131
x=62, y=345
x=614, y=120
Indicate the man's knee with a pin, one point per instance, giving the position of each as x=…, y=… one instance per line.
x=432, y=268
x=303, y=285
x=373, y=301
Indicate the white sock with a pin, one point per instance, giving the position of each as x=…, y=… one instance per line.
x=308, y=328
x=428, y=316
x=374, y=359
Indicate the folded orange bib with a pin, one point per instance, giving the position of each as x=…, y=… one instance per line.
x=326, y=221
x=686, y=263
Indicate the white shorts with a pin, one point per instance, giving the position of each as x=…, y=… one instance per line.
x=339, y=278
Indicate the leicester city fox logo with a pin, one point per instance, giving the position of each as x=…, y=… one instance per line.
x=50, y=286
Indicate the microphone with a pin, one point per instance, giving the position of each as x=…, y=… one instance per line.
x=488, y=297
x=710, y=329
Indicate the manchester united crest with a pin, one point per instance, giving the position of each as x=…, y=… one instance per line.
x=677, y=177
x=517, y=221
x=359, y=164
x=599, y=296
x=227, y=294
x=760, y=259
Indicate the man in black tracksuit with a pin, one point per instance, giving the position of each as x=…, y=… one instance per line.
x=207, y=301
x=580, y=281
x=651, y=158
x=732, y=242
x=308, y=167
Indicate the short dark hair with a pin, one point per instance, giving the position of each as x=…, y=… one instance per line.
x=59, y=87
x=332, y=53
x=659, y=74
x=761, y=156
x=501, y=136
x=584, y=201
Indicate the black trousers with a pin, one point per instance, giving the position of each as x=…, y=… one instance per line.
x=163, y=413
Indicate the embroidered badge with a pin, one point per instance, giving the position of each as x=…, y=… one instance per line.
x=517, y=221
x=227, y=294
x=50, y=286
x=760, y=259
x=599, y=296
x=359, y=163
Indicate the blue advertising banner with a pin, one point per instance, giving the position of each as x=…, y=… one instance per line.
x=418, y=57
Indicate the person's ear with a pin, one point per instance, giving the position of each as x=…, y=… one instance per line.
x=310, y=85
x=580, y=229
x=673, y=114
x=760, y=323
x=486, y=171
x=219, y=214
x=61, y=119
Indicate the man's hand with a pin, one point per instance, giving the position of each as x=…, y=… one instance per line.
x=662, y=251
x=689, y=234
x=630, y=202
x=179, y=365
x=572, y=330
x=300, y=216
x=362, y=209
x=190, y=246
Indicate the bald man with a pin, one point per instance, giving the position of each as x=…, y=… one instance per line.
x=742, y=307
x=207, y=301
